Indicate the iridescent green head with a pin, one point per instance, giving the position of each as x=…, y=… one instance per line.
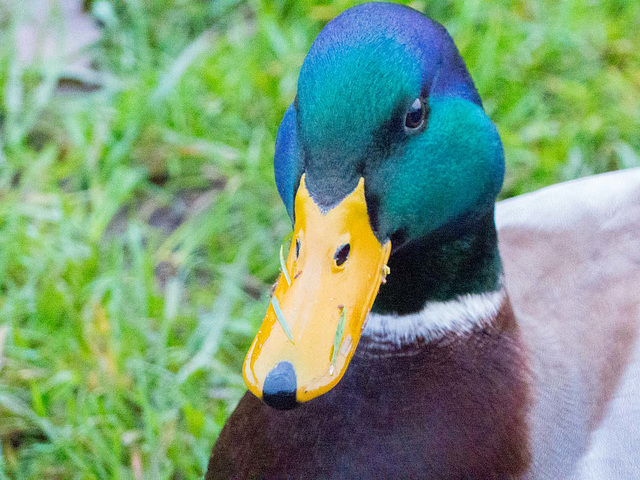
x=384, y=94
x=401, y=168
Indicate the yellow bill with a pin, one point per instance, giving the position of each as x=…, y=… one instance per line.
x=318, y=310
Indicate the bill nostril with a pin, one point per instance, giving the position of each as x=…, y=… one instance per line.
x=297, y=248
x=342, y=253
x=279, y=390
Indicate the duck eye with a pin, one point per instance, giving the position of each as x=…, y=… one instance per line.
x=416, y=115
x=297, y=248
x=342, y=254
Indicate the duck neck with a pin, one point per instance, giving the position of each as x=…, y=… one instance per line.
x=451, y=263
x=444, y=320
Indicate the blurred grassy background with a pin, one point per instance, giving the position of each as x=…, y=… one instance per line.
x=139, y=220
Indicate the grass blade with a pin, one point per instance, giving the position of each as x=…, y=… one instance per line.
x=280, y=316
x=283, y=266
x=337, y=341
x=189, y=55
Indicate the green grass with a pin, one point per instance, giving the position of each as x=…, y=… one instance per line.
x=140, y=224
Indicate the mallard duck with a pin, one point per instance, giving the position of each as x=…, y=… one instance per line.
x=407, y=335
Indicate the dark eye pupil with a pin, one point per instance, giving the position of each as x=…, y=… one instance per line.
x=297, y=247
x=342, y=254
x=415, y=115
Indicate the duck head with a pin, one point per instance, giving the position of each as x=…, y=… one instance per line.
x=386, y=144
